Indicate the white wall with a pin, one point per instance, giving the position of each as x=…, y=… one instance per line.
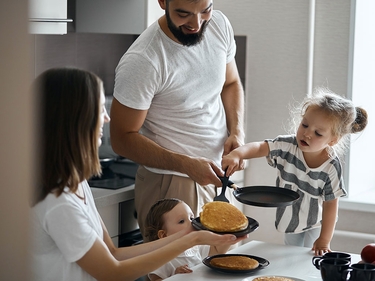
x=16, y=144
x=277, y=71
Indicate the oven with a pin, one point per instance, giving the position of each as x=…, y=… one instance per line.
x=129, y=233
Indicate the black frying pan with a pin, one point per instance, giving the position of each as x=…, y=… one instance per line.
x=264, y=196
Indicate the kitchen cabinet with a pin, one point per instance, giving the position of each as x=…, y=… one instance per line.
x=119, y=219
x=110, y=217
x=48, y=16
x=116, y=208
x=116, y=16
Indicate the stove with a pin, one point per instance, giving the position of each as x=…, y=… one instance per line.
x=120, y=173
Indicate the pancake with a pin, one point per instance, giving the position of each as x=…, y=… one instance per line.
x=221, y=216
x=235, y=262
x=272, y=278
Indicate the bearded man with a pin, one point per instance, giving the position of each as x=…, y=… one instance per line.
x=178, y=105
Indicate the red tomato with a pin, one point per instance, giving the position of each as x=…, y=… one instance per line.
x=368, y=253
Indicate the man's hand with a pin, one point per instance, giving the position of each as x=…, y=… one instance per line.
x=203, y=171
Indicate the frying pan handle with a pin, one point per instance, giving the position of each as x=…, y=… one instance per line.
x=232, y=184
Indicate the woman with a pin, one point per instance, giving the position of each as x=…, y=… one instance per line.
x=70, y=240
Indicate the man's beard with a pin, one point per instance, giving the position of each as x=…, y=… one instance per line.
x=185, y=39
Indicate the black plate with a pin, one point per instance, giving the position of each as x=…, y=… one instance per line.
x=253, y=225
x=266, y=196
x=262, y=263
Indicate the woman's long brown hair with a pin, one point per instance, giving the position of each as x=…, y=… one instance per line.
x=70, y=108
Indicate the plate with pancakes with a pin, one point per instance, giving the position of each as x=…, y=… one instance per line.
x=223, y=218
x=235, y=263
x=252, y=225
x=276, y=278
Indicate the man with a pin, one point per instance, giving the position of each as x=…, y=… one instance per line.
x=178, y=105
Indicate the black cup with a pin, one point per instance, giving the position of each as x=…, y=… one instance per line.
x=332, y=269
x=361, y=272
x=332, y=255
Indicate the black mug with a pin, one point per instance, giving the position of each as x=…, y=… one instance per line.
x=332, y=255
x=332, y=269
x=361, y=272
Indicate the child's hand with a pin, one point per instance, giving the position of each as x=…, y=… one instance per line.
x=183, y=269
x=231, y=163
x=321, y=247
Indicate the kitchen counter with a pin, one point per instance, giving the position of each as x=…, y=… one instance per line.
x=106, y=197
x=288, y=261
x=116, y=183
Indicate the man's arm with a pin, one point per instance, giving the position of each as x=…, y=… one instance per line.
x=232, y=96
x=128, y=142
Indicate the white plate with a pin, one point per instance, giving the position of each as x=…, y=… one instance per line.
x=293, y=278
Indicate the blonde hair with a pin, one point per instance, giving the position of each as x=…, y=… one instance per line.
x=345, y=117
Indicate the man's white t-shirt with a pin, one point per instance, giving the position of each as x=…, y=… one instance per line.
x=180, y=86
x=64, y=229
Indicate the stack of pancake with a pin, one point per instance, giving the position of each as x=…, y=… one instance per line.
x=224, y=217
x=235, y=262
x=221, y=216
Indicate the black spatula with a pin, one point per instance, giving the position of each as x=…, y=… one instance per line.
x=222, y=197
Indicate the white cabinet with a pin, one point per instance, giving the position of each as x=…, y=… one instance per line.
x=110, y=217
x=48, y=16
x=116, y=16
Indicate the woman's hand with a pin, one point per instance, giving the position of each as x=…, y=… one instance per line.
x=205, y=237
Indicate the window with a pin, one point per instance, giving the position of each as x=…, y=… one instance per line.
x=361, y=168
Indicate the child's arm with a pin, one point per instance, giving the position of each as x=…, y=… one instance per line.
x=322, y=244
x=250, y=150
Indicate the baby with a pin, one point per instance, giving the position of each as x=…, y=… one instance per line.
x=168, y=216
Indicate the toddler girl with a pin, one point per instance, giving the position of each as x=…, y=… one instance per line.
x=308, y=163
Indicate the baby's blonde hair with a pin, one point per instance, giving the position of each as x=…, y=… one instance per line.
x=345, y=117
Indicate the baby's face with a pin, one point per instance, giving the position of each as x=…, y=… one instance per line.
x=177, y=219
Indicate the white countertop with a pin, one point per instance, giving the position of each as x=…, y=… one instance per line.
x=288, y=261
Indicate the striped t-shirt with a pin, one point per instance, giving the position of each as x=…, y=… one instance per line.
x=314, y=185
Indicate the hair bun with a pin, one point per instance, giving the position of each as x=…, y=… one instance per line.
x=360, y=121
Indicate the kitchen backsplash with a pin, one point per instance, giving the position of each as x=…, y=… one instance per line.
x=99, y=53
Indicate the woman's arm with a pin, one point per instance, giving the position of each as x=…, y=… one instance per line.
x=154, y=277
x=218, y=250
x=144, y=258
x=222, y=249
x=329, y=216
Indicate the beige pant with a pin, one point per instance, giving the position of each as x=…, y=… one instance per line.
x=151, y=187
